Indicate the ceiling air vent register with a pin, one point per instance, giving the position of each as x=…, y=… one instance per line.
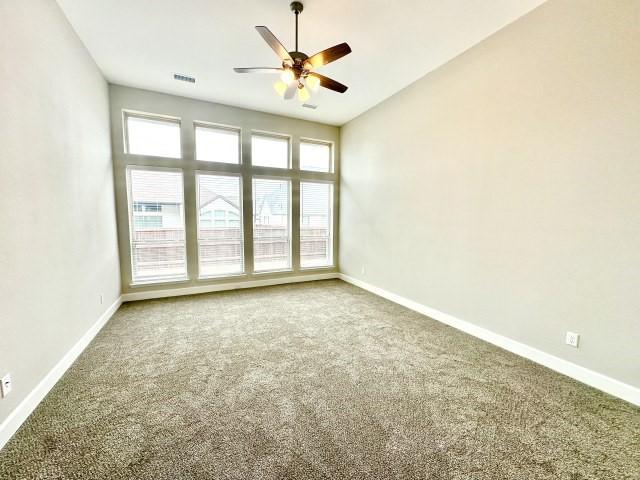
x=184, y=78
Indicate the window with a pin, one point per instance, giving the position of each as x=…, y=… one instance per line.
x=220, y=240
x=146, y=207
x=157, y=137
x=156, y=225
x=271, y=226
x=146, y=221
x=315, y=156
x=269, y=151
x=316, y=222
x=217, y=144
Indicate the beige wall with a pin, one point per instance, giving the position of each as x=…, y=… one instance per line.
x=58, y=248
x=504, y=188
x=189, y=110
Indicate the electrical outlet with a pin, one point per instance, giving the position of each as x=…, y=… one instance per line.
x=363, y=271
x=572, y=339
x=101, y=298
x=6, y=385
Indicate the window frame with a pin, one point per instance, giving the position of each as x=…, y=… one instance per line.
x=315, y=141
x=282, y=136
x=126, y=114
x=332, y=197
x=216, y=173
x=289, y=180
x=216, y=126
x=189, y=119
x=132, y=230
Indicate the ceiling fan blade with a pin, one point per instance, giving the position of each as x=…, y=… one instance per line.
x=329, y=83
x=290, y=92
x=257, y=70
x=274, y=43
x=329, y=55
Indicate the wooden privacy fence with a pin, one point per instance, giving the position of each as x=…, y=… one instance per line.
x=163, y=250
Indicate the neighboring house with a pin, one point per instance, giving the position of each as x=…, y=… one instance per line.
x=153, y=215
x=215, y=211
x=272, y=208
x=157, y=217
x=218, y=210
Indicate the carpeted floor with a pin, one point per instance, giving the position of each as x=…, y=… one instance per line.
x=310, y=381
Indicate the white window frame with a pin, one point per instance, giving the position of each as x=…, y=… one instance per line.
x=282, y=136
x=149, y=116
x=199, y=173
x=332, y=263
x=331, y=146
x=289, y=222
x=179, y=279
x=216, y=126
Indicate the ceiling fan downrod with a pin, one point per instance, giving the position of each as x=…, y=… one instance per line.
x=297, y=8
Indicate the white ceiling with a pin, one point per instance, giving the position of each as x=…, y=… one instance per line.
x=141, y=43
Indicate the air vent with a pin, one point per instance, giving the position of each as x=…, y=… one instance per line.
x=184, y=78
x=308, y=105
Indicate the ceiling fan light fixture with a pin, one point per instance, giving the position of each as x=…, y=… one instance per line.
x=312, y=83
x=280, y=87
x=288, y=76
x=303, y=94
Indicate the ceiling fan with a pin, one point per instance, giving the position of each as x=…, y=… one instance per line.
x=297, y=71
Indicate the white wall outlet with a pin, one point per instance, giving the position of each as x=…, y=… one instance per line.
x=101, y=298
x=573, y=339
x=363, y=270
x=6, y=385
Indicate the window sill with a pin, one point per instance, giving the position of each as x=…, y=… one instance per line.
x=221, y=277
x=320, y=267
x=159, y=282
x=267, y=272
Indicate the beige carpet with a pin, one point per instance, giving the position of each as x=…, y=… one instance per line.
x=310, y=381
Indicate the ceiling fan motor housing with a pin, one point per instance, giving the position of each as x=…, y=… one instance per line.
x=298, y=68
x=296, y=7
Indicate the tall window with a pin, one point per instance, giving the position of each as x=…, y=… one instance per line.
x=156, y=225
x=316, y=221
x=270, y=150
x=315, y=156
x=271, y=224
x=205, y=240
x=154, y=136
x=220, y=241
x=217, y=144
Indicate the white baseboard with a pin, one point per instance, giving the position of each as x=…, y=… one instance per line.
x=594, y=379
x=584, y=375
x=15, y=419
x=176, y=292
x=28, y=405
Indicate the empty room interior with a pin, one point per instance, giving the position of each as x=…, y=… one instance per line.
x=324, y=239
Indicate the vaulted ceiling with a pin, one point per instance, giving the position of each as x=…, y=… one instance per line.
x=142, y=43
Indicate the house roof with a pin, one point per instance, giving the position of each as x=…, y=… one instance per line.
x=155, y=186
x=275, y=199
x=207, y=197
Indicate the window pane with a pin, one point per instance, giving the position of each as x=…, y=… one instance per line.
x=149, y=136
x=315, y=157
x=157, y=225
x=316, y=236
x=267, y=151
x=217, y=144
x=220, y=239
x=271, y=206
